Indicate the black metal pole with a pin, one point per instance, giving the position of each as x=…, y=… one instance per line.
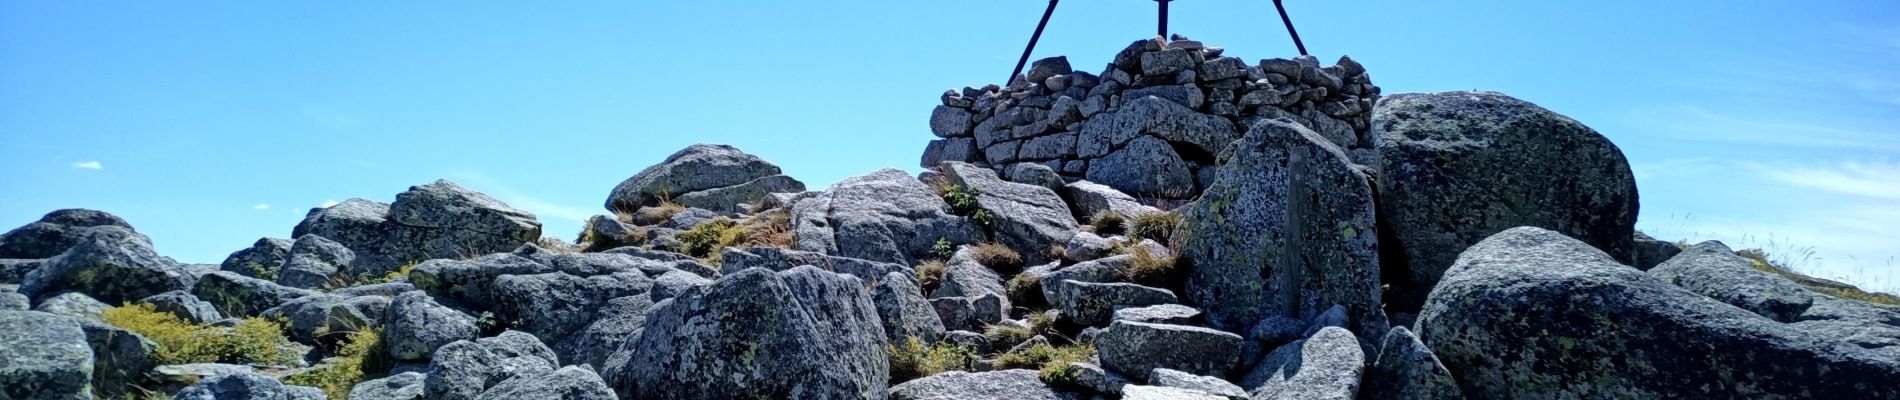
x=1032, y=43
x=1289, y=26
x=1163, y=29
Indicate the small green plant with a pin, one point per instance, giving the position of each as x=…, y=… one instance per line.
x=1146, y=268
x=260, y=271
x=963, y=201
x=708, y=238
x=1108, y=223
x=252, y=340
x=930, y=274
x=943, y=248
x=1005, y=336
x=489, y=324
x=361, y=357
x=911, y=359
x=997, y=256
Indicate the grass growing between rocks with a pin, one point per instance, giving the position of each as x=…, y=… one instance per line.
x=344, y=280
x=930, y=274
x=361, y=357
x=1051, y=361
x=1004, y=336
x=963, y=202
x=252, y=341
x=1155, y=225
x=997, y=256
x=913, y=359
x=1108, y=223
x=1763, y=262
x=708, y=238
x=1025, y=290
x=1145, y=268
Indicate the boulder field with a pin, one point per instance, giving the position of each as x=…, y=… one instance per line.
x=1184, y=224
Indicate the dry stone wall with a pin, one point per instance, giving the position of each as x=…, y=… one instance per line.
x=1153, y=121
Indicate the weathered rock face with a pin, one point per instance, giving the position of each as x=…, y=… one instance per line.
x=313, y=261
x=237, y=295
x=1406, y=369
x=415, y=325
x=1135, y=349
x=1623, y=332
x=43, y=356
x=403, y=386
x=570, y=383
x=1327, y=365
x=1014, y=384
x=727, y=175
x=1647, y=252
x=323, y=318
x=886, y=216
x=109, y=263
x=1088, y=198
x=1152, y=120
x=1027, y=218
x=465, y=369
x=552, y=305
x=615, y=322
x=1286, y=229
x=1460, y=166
x=777, y=259
x=436, y=220
x=250, y=386
x=1090, y=304
x=263, y=259
x=801, y=333
x=472, y=281
x=54, y=233
x=904, y=312
x=1711, y=269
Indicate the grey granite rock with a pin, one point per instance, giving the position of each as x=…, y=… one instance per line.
x=1328, y=365
x=43, y=356
x=1014, y=384
x=1135, y=349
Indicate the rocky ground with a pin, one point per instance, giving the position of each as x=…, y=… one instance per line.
x=1182, y=226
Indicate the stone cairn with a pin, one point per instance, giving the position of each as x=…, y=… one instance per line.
x=1154, y=121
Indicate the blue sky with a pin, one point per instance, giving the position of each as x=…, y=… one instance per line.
x=211, y=124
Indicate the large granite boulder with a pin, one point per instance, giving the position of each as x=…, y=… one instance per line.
x=472, y=281
x=263, y=260
x=777, y=259
x=313, y=261
x=325, y=318
x=415, y=325
x=1406, y=369
x=403, y=386
x=1028, y=218
x=1091, y=304
x=570, y=383
x=1135, y=349
x=1624, y=332
x=55, y=232
x=110, y=263
x=184, y=305
x=1712, y=269
x=1460, y=166
x=239, y=296
x=904, y=312
x=432, y=221
x=1013, y=384
x=43, y=356
x=727, y=199
x=246, y=386
x=886, y=216
x=800, y=333
x=1088, y=198
x=1327, y=365
x=614, y=322
x=464, y=369
x=1286, y=229
x=695, y=168
x=552, y=305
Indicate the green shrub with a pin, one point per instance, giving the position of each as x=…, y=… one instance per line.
x=361, y=357
x=1108, y=223
x=943, y=248
x=708, y=238
x=963, y=202
x=253, y=340
x=912, y=359
x=1155, y=225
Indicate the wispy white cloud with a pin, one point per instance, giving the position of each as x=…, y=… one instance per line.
x=88, y=165
x=1877, y=179
x=328, y=204
x=1699, y=124
x=261, y=206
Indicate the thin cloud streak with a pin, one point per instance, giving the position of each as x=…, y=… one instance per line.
x=92, y=165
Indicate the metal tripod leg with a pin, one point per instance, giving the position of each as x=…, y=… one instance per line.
x=1289, y=27
x=1032, y=43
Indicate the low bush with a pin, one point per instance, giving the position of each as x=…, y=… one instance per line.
x=911, y=359
x=708, y=238
x=963, y=202
x=251, y=341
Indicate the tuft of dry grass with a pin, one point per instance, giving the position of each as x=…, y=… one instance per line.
x=1005, y=336
x=770, y=229
x=1762, y=261
x=362, y=357
x=997, y=256
x=1052, y=361
x=1156, y=225
x=1145, y=268
x=1025, y=290
x=1108, y=223
x=930, y=274
x=911, y=359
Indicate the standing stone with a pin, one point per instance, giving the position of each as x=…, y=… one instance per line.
x=1460, y=166
x=1626, y=333
x=1286, y=229
x=43, y=356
